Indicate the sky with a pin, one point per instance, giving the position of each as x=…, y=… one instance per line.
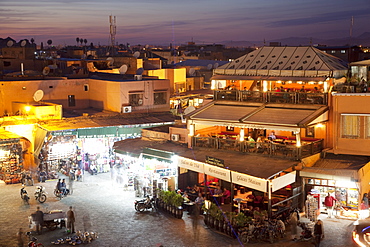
x=161, y=22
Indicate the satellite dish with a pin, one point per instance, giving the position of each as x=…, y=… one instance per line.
x=209, y=66
x=191, y=71
x=189, y=109
x=123, y=69
x=215, y=66
x=110, y=61
x=46, y=70
x=37, y=96
x=137, y=54
x=10, y=43
x=23, y=43
x=139, y=71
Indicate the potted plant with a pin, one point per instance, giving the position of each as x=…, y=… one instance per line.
x=177, y=201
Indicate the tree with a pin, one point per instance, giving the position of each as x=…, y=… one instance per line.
x=49, y=42
x=85, y=41
x=32, y=40
x=81, y=41
x=77, y=40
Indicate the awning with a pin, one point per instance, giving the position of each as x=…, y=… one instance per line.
x=258, y=116
x=150, y=153
x=334, y=174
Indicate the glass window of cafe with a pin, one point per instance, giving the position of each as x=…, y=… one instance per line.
x=344, y=191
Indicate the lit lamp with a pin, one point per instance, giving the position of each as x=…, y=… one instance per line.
x=207, y=204
x=238, y=200
x=27, y=108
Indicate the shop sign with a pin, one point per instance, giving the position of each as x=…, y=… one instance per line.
x=283, y=181
x=214, y=171
x=215, y=161
x=64, y=133
x=191, y=164
x=249, y=181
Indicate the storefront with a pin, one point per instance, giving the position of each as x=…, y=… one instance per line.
x=341, y=184
x=12, y=160
x=145, y=172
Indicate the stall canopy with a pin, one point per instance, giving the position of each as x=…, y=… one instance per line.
x=150, y=153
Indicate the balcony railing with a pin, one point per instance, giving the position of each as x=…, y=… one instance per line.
x=289, y=151
x=272, y=97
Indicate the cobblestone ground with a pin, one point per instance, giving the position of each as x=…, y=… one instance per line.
x=103, y=206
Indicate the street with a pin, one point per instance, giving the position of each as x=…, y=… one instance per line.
x=103, y=206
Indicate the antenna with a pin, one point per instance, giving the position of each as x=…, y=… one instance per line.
x=139, y=71
x=9, y=43
x=110, y=61
x=189, y=109
x=191, y=71
x=215, y=66
x=112, y=33
x=137, y=54
x=123, y=69
x=38, y=95
x=209, y=66
x=46, y=70
x=23, y=43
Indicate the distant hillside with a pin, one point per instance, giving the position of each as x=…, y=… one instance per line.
x=363, y=39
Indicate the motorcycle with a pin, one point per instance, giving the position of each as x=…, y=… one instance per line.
x=147, y=203
x=58, y=193
x=24, y=195
x=40, y=194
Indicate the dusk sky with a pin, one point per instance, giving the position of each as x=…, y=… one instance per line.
x=179, y=21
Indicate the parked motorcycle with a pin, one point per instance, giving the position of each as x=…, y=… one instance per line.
x=40, y=194
x=147, y=203
x=24, y=195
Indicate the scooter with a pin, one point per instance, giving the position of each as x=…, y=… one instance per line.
x=40, y=194
x=24, y=195
x=148, y=203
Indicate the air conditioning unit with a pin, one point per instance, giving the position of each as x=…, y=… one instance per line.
x=138, y=77
x=126, y=109
x=175, y=137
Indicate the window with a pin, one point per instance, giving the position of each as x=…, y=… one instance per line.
x=343, y=51
x=160, y=98
x=367, y=127
x=310, y=131
x=71, y=100
x=136, y=99
x=86, y=87
x=350, y=126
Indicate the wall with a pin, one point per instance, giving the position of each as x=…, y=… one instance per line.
x=355, y=103
x=176, y=76
x=182, y=132
x=55, y=91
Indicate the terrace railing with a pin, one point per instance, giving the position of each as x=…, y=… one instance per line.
x=289, y=151
x=272, y=97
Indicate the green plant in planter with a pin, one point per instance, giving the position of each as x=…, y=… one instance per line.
x=240, y=220
x=177, y=200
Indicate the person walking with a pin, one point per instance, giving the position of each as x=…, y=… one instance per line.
x=318, y=232
x=293, y=220
x=39, y=220
x=329, y=204
x=21, y=237
x=70, y=220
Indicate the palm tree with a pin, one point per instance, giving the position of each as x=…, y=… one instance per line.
x=85, y=41
x=32, y=40
x=81, y=41
x=77, y=40
x=49, y=42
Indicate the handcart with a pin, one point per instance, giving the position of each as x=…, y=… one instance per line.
x=52, y=220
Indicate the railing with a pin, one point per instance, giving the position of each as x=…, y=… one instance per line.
x=272, y=97
x=261, y=148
